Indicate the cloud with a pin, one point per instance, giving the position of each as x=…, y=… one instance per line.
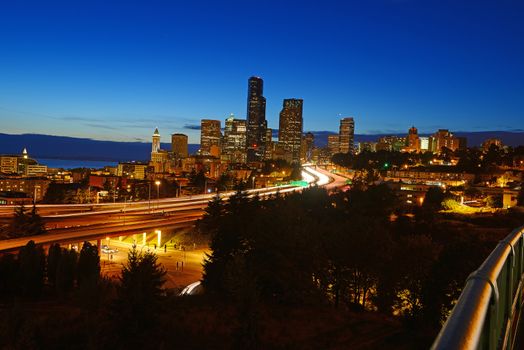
x=192, y=126
x=101, y=126
x=79, y=119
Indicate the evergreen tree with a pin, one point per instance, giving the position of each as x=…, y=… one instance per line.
x=18, y=225
x=53, y=260
x=140, y=291
x=9, y=271
x=66, y=270
x=520, y=197
x=32, y=267
x=88, y=269
x=209, y=223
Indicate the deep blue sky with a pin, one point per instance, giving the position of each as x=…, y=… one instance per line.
x=115, y=70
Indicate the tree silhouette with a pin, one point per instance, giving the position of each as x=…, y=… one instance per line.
x=140, y=291
x=32, y=268
x=88, y=265
x=53, y=260
x=66, y=271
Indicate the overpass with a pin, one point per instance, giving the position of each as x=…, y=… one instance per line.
x=488, y=312
x=90, y=222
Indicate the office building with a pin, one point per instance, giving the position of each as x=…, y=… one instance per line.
x=269, y=144
x=234, y=144
x=306, y=151
x=256, y=119
x=333, y=144
x=290, y=128
x=179, y=145
x=210, y=137
x=347, y=135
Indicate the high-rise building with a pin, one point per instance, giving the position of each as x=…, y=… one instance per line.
x=413, y=140
x=290, y=128
x=269, y=144
x=424, y=143
x=347, y=135
x=234, y=144
x=210, y=136
x=443, y=138
x=256, y=119
x=333, y=144
x=179, y=145
x=306, y=151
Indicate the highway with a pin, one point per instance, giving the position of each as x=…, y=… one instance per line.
x=75, y=223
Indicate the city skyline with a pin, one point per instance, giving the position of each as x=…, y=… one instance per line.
x=84, y=80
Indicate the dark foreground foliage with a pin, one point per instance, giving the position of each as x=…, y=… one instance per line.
x=305, y=271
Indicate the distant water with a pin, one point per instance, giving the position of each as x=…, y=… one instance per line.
x=70, y=164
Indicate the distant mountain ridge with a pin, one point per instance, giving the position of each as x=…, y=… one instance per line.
x=64, y=147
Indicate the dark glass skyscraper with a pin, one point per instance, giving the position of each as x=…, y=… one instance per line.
x=290, y=129
x=256, y=119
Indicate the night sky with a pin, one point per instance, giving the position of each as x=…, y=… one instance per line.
x=115, y=72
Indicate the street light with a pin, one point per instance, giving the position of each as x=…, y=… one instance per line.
x=157, y=183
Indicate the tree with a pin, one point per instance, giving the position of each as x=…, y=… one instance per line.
x=210, y=221
x=23, y=224
x=433, y=199
x=140, y=291
x=198, y=180
x=32, y=267
x=18, y=225
x=88, y=265
x=494, y=201
x=520, y=196
x=53, y=259
x=66, y=271
x=9, y=268
x=35, y=224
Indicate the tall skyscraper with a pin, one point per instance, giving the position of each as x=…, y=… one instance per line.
x=256, y=119
x=290, y=128
x=210, y=136
x=234, y=145
x=179, y=145
x=347, y=135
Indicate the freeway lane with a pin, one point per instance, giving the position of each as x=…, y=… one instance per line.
x=91, y=233
x=108, y=219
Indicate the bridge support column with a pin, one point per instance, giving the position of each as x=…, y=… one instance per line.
x=159, y=238
x=99, y=245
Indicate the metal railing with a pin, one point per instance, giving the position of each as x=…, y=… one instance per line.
x=487, y=312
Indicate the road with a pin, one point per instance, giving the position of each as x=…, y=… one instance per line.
x=92, y=221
